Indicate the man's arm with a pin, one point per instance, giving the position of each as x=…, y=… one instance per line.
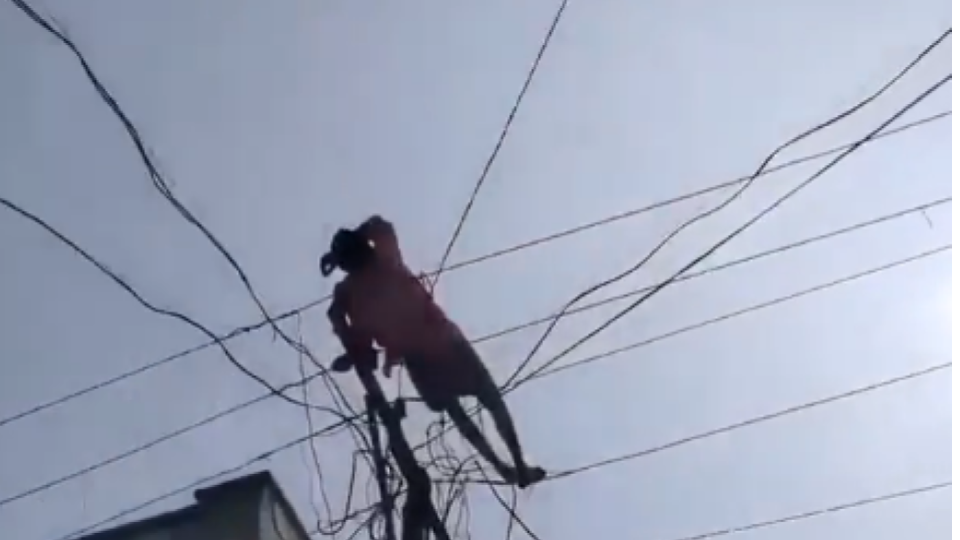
x=337, y=314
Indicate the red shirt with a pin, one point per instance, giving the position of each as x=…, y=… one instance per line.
x=388, y=304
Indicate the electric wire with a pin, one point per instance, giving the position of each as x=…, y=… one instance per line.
x=737, y=426
x=318, y=468
x=850, y=278
x=201, y=481
x=162, y=187
x=870, y=99
x=120, y=282
x=780, y=300
x=820, y=512
x=240, y=331
x=500, y=141
x=592, y=359
x=339, y=398
x=705, y=255
x=567, y=473
x=596, y=465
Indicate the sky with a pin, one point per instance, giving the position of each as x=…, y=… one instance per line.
x=277, y=123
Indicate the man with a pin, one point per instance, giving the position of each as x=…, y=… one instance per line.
x=380, y=300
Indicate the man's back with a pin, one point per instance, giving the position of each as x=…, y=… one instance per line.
x=390, y=305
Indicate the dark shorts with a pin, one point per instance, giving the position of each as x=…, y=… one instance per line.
x=443, y=381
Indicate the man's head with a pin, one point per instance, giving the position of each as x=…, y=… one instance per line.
x=349, y=250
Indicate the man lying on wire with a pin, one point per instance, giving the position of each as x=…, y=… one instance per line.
x=380, y=300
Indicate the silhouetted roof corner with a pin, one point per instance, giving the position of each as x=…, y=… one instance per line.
x=252, y=482
x=256, y=482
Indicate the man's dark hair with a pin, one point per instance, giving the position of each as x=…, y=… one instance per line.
x=349, y=250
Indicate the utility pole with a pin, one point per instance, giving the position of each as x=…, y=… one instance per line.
x=419, y=513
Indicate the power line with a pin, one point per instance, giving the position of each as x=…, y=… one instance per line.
x=733, y=197
x=339, y=398
x=656, y=339
x=160, y=184
x=548, y=38
x=741, y=312
x=757, y=420
x=784, y=248
x=709, y=322
x=205, y=480
x=706, y=254
x=803, y=516
x=715, y=210
x=105, y=270
x=503, y=137
x=331, y=428
x=164, y=190
x=810, y=514
x=455, y=267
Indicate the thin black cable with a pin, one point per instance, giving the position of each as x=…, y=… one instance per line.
x=743, y=424
x=202, y=481
x=779, y=250
x=728, y=316
x=459, y=480
x=105, y=270
x=160, y=183
x=757, y=420
x=850, y=394
x=458, y=266
x=339, y=398
x=809, y=514
x=738, y=426
x=850, y=278
x=135, y=450
x=705, y=255
x=312, y=443
x=741, y=190
x=505, y=130
x=503, y=137
x=436, y=461
x=510, y=508
x=570, y=472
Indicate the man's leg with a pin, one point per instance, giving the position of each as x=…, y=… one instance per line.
x=469, y=430
x=490, y=398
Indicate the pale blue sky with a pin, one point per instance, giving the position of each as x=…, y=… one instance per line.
x=279, y=122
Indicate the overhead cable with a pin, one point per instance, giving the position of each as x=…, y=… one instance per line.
x=453, y=267
x=736, y=194
x=592, y=359
x=335, y=426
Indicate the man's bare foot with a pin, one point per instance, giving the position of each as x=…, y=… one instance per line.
x=342, y=364
x=509, y=474
x=529, y=476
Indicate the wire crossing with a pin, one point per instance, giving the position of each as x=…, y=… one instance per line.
x=589, y=360
x=582, y=469
x=240, y=331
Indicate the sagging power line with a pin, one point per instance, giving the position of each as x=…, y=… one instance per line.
x=500, y=140
x=720, y=268
x=850, y=278
x=268, y=319
x=340, y=425
x=750, y=223
x=237, y=332
x=340, y=401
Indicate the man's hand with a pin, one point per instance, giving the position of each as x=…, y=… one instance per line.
x=391, y=359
